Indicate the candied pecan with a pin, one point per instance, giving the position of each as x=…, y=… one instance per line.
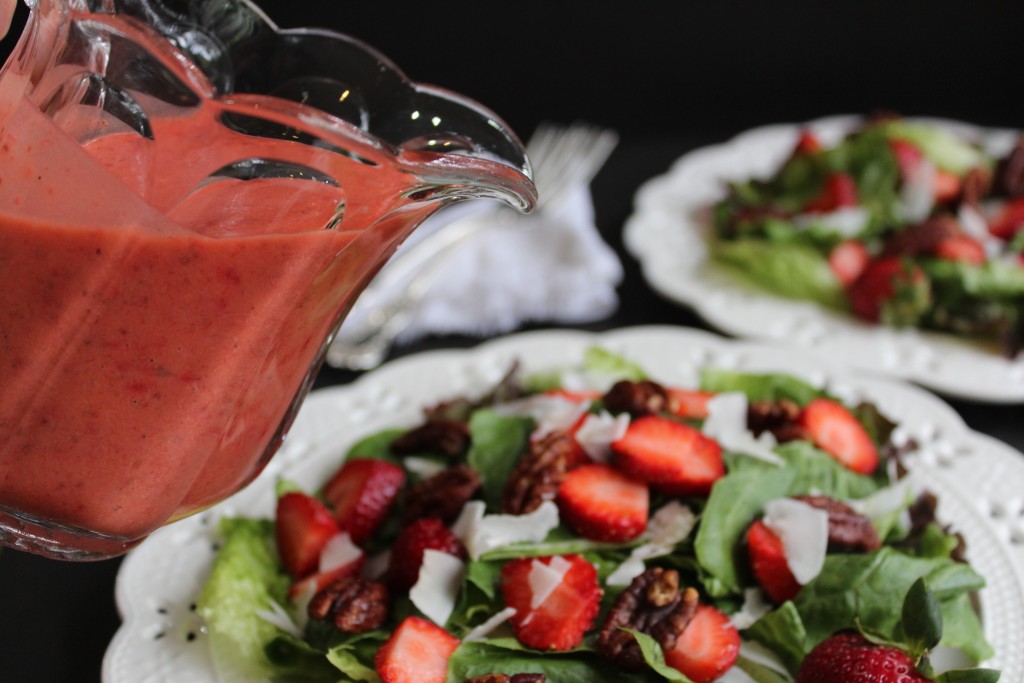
x=505, y=678
x=442, y=495
x=354, y=604
x=1009, y=180
x=636, y=398
x=652, y=604
x=445, y=437
x=781, y=418
x=848, y=530
x=539, y=473
x=975, y=186
x=922, y=237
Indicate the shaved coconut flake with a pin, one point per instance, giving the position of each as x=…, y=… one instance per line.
x=754, y=607
x=917, y=194
x=279, y=617
x=848, y=221
x=973, y=223
x=585, y=380
x=543, y=579
x=480, y=533
x=803, y=530
x=886, y=501
x=596, y=434
x=485, y=629
x=301, y=604
x=670, y=525
x=339, y=551
x=437, y=587
x=550, y=413
x=726, y=423
x=424, y=468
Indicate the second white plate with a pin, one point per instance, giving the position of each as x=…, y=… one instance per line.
x=666, y=234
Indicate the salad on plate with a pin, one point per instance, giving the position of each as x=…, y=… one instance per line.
x=593, y=524
x=905, y=223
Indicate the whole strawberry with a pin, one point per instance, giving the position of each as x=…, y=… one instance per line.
x=848, y=657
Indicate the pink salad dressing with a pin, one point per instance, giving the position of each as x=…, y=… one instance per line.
x=152, y=337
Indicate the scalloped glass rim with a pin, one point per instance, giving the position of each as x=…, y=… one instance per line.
x=977, y=478
x=664, y=234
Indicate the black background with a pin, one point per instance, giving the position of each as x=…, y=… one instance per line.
x=669, y=76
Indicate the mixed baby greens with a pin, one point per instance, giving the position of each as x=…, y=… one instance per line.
x=902, y=223
x=257, y=628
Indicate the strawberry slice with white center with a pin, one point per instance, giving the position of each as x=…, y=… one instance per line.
x=417, y=652
x=707, y=647
x=689, y=403
x=600, y=503
x=555, y=599
x=672, y=457
x=304, y=526
x=835, y=430
x=362, y=492
x=848, y=259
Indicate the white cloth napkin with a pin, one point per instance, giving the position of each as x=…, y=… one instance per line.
x=549, y=266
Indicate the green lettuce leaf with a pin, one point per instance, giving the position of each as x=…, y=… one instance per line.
x=738, y=498
x=759, y=387
x=942, y=147
x=867, y=590
x=497, y=443
x=244, y=579
x=506, y=655
x=789, y=269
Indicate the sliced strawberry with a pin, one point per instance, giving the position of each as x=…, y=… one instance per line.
x=961, y=248
x=581, y=396
x=600, y=503
x=946, y=185
x=417, y=652
x=839, y=190
x=426, y=533
x=768, y=562
x=848, y=260
x=689, y=403
x=1009, y=220
x=707, y=647
x=304, y=525
x=361, y=493
x=908, y=156
x=834, y=429
x=807, y=143
x=557, y=618
x=315, y=582
x=673, y=457
x=879, y=283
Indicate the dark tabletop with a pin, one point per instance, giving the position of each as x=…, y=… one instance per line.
x=670, y=78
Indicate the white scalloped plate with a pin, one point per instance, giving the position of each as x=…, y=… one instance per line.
x=666, y=234
x=978, y=479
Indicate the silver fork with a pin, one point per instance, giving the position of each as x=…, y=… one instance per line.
x=563, y=158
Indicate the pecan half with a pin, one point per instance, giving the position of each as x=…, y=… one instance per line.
x=354, y=604
x=539, y=473
x=975, y=186
x=781, y=418
x=505, y=678
x=848, y=530
x=922, y=237
x=636, y=398
x=652, y=604
x=1009, y=178
x=442, y=495
x=444, y=437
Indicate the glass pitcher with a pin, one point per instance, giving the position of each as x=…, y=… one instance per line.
x=190, y=200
